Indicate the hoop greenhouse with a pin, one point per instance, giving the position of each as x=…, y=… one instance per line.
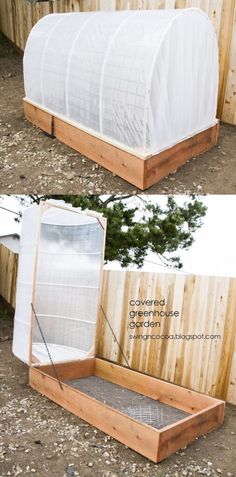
x=141, y=82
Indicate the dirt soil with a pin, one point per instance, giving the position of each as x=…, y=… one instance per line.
x=32, y=162
x=39, y=438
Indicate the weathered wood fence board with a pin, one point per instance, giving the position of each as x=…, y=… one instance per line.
x=8, y=274
x=205, y=304
x=17, y=17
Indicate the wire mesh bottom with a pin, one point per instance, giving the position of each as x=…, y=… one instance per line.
x=139, y=407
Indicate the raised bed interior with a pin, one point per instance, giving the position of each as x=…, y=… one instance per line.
x=140, y=407
x=153, y=417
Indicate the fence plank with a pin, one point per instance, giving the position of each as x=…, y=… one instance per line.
x=225, y=39
x=8, y=274
x=229, y=108
x=231, y=396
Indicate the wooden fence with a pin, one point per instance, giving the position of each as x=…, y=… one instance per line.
x=17, y=17
x=8, y=274
x=204, y=305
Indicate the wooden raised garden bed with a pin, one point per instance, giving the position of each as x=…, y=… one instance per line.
x=143, y=172
x=152, y=417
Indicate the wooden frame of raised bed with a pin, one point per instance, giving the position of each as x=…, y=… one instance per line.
x=142, y=172
x=205, y=413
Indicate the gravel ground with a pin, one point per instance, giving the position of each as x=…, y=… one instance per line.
x=39, y=438
x=32, y=162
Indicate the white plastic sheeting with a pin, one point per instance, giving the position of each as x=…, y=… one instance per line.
x=143, y=80
x=59, y=270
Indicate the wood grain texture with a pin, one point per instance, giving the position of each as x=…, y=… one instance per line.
x=137, y=436
x=125, y=165
x=142, y=173
x=227, y=47
x=8, y=274
x=206, y=306
x=17, y=17
x=122, y=163
x=154, y=444
x=231, y=394
x=180, y=434
x=71, y=370
x=228, y=95
x=161, y=165
x=152, y=387
x=38, y=117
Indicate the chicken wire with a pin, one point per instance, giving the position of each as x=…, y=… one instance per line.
x=139, y=407
x=143, y=80
x=67, y=249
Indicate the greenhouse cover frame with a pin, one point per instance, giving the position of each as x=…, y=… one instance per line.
x=34, y=320
x=145, y=163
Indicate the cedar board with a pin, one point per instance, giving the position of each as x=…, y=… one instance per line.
x=142, y=173
x=206, y=413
